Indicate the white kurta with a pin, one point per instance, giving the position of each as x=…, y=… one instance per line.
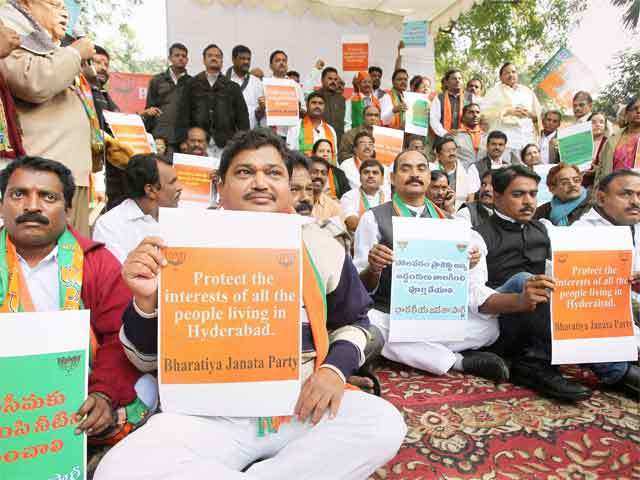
x=434, y=357
x=519, y=131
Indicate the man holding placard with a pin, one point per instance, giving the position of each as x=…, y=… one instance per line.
x=312, y=128
x=517, y=248
x=48, y=267
x=374, y=256
x=254, y=177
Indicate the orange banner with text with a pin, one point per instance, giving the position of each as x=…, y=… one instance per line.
x=196, y=183
x=592, y=294
x=388, y=142
x=355, y=57
x=229, y=315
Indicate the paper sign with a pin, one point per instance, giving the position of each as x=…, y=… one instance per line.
x=591, y=319
x=230, y=303
x=562, y=76
x=129, y=90
x=355, y=53
x=44, y=365
x=414, y=33
x=129, y=130
x=194, y=174
x=282, y=102
x=575, y=144
x=430, y=279
x=388, y=142
x=417, y=114
x=544, y=194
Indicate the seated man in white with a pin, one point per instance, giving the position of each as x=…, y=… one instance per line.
x=371, y=193
x=152, y=183
x=373, y=259
x=364, y=148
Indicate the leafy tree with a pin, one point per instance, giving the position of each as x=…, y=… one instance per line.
x=626, y=71
x=631, y=16
x=525, y=32
x=123, y=46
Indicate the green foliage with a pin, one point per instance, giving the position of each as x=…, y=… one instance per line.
x=525, y=32
x=631, y=16
x=122, y=45
x=626, y=71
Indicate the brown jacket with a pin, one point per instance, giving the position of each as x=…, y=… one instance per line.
x=53, y=120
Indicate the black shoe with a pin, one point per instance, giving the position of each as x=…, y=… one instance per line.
x=486, y=365
x=538, y=375
x=631, y=382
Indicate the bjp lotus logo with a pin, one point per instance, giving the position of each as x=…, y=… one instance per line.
x=561, y=257
x=175, y=257
x=462, y=247
x=402, y=244
x=68, y=364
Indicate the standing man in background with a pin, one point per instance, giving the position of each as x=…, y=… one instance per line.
x=251, y=87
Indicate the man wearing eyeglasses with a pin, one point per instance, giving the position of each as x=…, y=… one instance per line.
x=53, y=100
x=570, y=199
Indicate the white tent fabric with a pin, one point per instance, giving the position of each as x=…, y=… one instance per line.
x=381, y=13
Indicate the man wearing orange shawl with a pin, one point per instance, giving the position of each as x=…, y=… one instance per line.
x=312, y=128
x=470, y=138
x=446, y=109
x=392, y=105
x=360, y=100
x=334, y=317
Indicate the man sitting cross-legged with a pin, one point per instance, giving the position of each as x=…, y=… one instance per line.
x=337, y=433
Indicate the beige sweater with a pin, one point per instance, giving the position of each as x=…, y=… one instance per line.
x=52, y=117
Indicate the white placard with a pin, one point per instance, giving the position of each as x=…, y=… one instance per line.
x=417, y=114
x=234, y=231
x=282, y=102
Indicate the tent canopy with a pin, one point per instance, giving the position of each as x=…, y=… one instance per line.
x=380, y=12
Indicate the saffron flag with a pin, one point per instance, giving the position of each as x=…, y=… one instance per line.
x=562, y=76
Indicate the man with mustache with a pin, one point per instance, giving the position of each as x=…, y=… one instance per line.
x=517, y=248
x=324, y=207
x=496, y=146
x=364, y=148
x=479, y=211
x=440, y=193
x=373, y=259
x=152, y=184
x=255, y=176
x=312, y=128
x=38, y=247
x=447, y=162
x=371, y=117
x=392, y=105
x=196, y=142
x=570, y=199
x=371, y=193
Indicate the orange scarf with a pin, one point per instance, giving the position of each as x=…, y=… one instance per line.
x=364, y=202
x=305, y=139
x=476, y=135
x=398, y=118
x=447, y=121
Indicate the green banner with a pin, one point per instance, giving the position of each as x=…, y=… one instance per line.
x=39, y=395
x=576, y=149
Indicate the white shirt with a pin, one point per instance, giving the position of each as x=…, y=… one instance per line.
x=43, y=282
x=293, y=135
x=368, y=234
x=212, y=78
x=253, y=91
x=350, y=201
x=353, y=175
x=122, y=228
x=386, y=107
x=474, y=177
x=464, y=186
x=465, y=214
x=545, y=147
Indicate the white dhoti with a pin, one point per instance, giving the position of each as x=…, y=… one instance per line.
x=436, y=357
x=366, y=433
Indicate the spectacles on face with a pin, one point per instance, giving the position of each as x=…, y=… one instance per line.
x=365, y=144
x=567, y=182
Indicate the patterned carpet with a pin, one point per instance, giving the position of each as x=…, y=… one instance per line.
x=465, y=427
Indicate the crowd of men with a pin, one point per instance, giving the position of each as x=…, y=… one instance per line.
x=476, y=164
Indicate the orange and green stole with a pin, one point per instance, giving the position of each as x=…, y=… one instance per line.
x=15, y=298
x=398, y=118
x=357, y=108
x=314, y=296
x=364, y=201
x=305, y=138
x=402, y=210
